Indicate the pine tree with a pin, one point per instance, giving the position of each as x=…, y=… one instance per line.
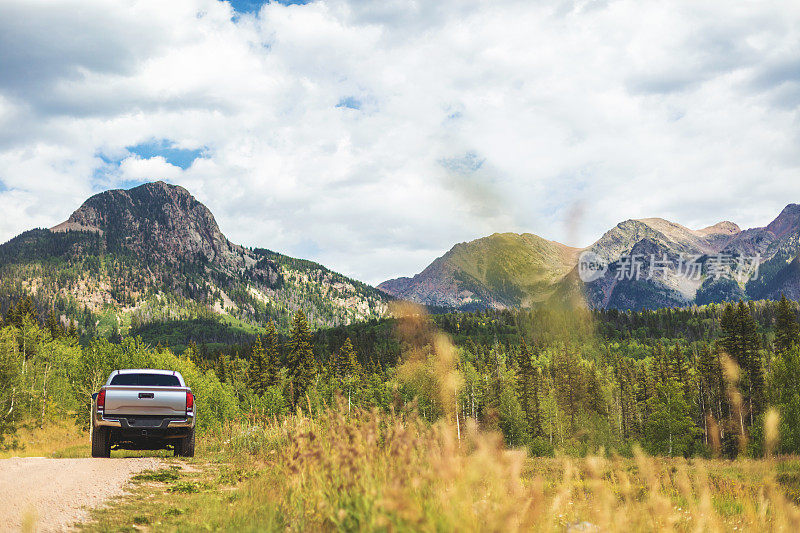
x=679, y=368
x=748, y=334
x=648, y=378
x=728, y=337
x=528, y=385
x=224, y=368
x=53, y=325
x=302, y=365
x=339, y=362
x=344, y=362
x=787, y=332
x=710, y=382
x=197, y=355
x=570, y=387
x=740, y=340
x=593, y=395
x=350, y=367
x=347, y=370
x=256, y=375
x=627, y=386
x=750, y=360
x=16, y=314
x=272, y=362
x=192, y=353
x=661, y=363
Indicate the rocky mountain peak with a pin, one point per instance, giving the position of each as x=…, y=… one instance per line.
x=721, y=228
x=156, y=220
x=154, y=252
x=510, y=270
x=788, y=221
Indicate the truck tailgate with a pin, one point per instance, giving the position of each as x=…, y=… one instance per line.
x=138, y=400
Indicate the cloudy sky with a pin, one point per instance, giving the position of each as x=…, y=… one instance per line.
x=373, y=135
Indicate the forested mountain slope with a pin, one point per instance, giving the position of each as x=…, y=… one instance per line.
x=154, y=253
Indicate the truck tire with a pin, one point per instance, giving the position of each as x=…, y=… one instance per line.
x=101, y=443
x=185, y=446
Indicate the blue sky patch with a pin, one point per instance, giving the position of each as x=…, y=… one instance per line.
x=307, y=248
x=130, y=184
x=252, y=6
x=3, y=187
x=180, y=157
x=350, y=102
x=466, y=164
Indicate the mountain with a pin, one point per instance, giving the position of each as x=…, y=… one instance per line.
x=678, y=267
x=679, y=239
x=779, y=237
x=653, y=242
x=128, y=258
x=779, y=245
x=158, y=221
x=500, y=271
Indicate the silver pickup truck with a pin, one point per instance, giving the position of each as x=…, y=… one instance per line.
x=143, y=409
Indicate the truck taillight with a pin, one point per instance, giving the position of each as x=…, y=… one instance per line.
x=101, y=399
x=189, y=401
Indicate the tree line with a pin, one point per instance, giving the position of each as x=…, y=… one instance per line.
x=545, y=379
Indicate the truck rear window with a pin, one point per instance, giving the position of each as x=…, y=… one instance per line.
x=146, y=380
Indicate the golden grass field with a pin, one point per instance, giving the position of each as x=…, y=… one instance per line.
x=376, y=472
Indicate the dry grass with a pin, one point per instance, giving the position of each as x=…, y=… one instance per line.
x=55, y=439
x=62, y=440
x=375, y=472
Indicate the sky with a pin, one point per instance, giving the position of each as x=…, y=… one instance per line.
x=373, y=136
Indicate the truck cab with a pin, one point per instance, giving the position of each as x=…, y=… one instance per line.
x=143, y=409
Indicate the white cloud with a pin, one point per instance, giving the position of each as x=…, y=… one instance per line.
x=629, y=108
x=137, y=169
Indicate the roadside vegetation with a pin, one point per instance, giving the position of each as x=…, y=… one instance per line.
x=63, y=439
x=677, y=419
x=367, y=471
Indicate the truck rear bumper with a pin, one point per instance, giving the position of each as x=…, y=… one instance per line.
x=143, y=422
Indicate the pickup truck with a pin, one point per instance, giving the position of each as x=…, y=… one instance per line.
x=143, y=409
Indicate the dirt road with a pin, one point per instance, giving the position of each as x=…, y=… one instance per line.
x=56, y=493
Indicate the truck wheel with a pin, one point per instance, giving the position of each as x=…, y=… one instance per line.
x=101, y=443
x=185, y=446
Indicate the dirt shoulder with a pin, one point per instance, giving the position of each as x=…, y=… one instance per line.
x=52, y=494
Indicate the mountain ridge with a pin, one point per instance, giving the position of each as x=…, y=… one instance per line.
x=499, y=278
x=654, y=242
x=127, y=257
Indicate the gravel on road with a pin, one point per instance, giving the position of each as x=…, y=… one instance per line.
x=57, y=493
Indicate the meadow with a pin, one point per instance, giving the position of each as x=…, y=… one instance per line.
x=369, y=471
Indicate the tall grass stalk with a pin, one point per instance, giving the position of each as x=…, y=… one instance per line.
x=370, y=471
